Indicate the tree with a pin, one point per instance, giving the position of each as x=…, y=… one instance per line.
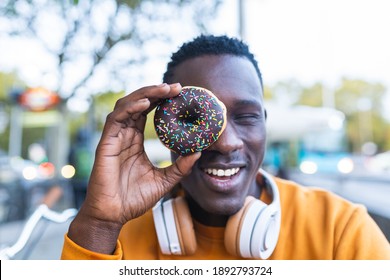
x=8, y=81
x=94, y=46
x=286, y=92
x=101, y=39
x=312, y=95
x=362, y=102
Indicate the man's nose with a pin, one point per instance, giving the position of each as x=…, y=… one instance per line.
x=229, y=141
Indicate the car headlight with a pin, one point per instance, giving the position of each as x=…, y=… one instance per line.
x=30, y=173
x=345, y=165
x=68, y=171
x=308, y=167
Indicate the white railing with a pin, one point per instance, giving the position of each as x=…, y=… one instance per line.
x=43, y=211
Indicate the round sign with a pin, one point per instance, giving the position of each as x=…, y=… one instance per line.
x=39, y=99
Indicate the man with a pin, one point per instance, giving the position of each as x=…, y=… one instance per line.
x=116, y=219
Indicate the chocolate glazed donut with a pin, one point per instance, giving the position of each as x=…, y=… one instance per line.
x=191, y=121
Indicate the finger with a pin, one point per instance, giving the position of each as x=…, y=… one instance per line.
x=128, y=104
x=130, y=110
x=117, y=119
x=180, y=168
x=174, y=91
x=151, y=92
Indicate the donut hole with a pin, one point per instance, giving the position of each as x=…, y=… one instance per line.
x=190, y=116
x=191, y=120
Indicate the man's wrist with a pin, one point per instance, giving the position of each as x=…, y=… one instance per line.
x=93, y=234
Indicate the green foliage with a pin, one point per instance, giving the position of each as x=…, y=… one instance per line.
x=351, y=93
x=8, y=81
x=150, y=132
x=267, y=93
x=75, y=121
x=312, y=95
x=361, y=101
x=103, y=104
x=380, y=131
x=133, y=4
x=4, y=140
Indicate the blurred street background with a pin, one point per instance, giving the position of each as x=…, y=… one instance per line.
x=63, y=65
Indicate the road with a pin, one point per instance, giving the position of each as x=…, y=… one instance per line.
x=372, y=191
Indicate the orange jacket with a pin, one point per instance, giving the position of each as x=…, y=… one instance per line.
x=315, y=224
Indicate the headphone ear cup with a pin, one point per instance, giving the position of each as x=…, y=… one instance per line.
x=160, y=227
x=253, y=231
x=234, y=227
x=184, y=226
x=174, y=227
x=266, y=233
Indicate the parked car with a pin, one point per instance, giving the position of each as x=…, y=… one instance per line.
x=21, y=183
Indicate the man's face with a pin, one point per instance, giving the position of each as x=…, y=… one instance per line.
x=241, y=146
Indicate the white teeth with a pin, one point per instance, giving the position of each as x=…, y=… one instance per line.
x=222, y=172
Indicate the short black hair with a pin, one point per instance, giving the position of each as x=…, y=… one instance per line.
x=210, y=45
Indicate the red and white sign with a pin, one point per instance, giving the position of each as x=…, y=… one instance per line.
x=39, y=99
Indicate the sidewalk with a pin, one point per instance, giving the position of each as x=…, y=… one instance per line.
x=45, y=243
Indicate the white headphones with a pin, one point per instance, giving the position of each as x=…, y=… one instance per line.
x=250, y=233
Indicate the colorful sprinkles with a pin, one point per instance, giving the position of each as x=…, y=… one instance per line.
x=191, y=121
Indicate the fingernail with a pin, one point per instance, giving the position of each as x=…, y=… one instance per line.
x=175, y=85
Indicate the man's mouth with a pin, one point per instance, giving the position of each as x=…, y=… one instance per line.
x=222, y=172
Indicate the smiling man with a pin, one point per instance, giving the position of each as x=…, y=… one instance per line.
x=217, y=204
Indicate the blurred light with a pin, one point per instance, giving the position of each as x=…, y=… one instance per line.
x=36, y=152
x=369, y=148
x=335, y=122
x=308, y=167
x=47, y=169
x=345, y=165
x=30, y=173
x=68, y=171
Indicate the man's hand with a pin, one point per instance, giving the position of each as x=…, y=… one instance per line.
x=124, y=184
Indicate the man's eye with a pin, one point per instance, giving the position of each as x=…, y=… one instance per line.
x=248, y=119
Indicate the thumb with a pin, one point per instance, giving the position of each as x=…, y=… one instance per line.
x=180, y=168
